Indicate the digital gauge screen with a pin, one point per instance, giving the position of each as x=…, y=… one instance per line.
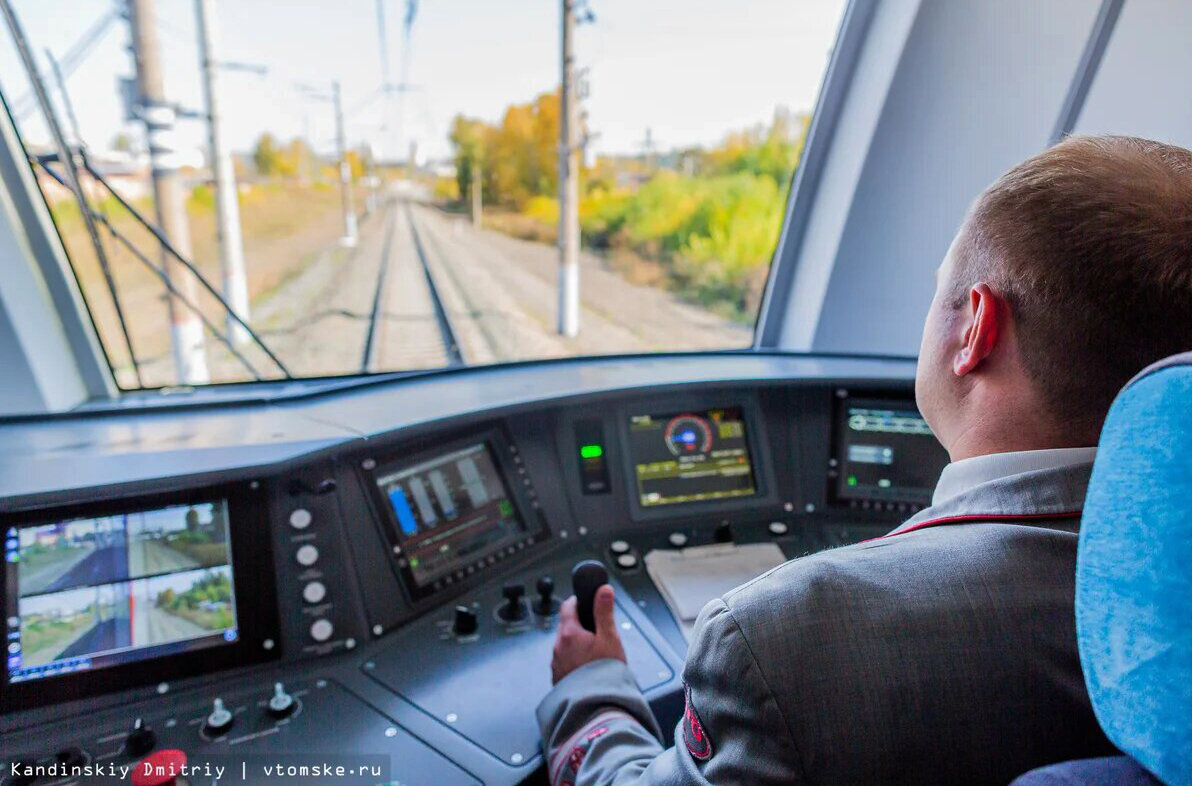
x=886, y=453
x=88, y=593
x=691, y=457
x=452, y=515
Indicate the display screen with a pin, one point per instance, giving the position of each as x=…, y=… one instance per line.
x=691, y=457
x=886, y=452
x=88, y=593
x=453, y=513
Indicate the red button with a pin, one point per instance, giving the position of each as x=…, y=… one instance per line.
x=159, y=768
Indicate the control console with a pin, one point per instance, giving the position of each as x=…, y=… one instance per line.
x=243, y=731
x=479, y=668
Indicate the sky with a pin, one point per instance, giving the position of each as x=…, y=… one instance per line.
x=690, y=71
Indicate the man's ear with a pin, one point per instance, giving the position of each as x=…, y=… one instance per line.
x=987, y=314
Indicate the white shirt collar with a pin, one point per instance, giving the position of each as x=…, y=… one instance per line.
x=961, y=476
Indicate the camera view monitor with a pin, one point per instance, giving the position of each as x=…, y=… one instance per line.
x=452, y=514
x=691, y=457
x=90, y=593
x=886, y=452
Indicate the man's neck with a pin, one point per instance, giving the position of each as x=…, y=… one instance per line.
x=1006, y=419
x=1011, y=432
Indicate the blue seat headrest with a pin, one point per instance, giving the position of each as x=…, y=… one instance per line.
x=1134, y=572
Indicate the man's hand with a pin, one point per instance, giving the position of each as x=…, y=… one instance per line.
x=575, y=646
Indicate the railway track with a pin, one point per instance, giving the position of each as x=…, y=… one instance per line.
x=408, y=324
x=442, y=318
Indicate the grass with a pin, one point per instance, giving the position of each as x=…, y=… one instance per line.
x=284, y=226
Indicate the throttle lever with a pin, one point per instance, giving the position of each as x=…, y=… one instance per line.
x=587, y=577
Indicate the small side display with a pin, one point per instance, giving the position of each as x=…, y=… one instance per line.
x=691, y=457
x=885, y=452
x=452, y=514
x=92, y=593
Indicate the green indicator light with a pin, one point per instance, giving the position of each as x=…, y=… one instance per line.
x=591, y=451
x=852, y=480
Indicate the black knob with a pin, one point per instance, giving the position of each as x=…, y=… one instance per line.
x=71, y=757
x=546, y=604
x=466, y=623
x=587, y=577
x=513, y=609
x=17, y=769
x=724, y=533
x=140, y=740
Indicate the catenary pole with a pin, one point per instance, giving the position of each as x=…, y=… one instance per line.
x=345, y=170
x=159, y=116
x=569, y=151
x=227, y=205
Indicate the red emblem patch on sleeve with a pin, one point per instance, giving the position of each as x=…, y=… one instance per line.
x=699, y=745
x=571, y=764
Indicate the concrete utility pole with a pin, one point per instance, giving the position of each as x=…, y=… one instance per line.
x=227, y=205
x=569, y=152
x=477, y=185
x=186, y=330
x=345, y=170
x=386, y=87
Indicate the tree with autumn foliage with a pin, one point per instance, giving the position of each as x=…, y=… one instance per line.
x=709, y=217
x=518, y=157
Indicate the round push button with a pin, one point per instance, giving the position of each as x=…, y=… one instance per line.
x=778, y=528
x=307, y=555
x=677, y=539
x=321, y=630
x=618, y=547
x=159, y=769
x=627, y=561
x=300, y=518
x=314, y=592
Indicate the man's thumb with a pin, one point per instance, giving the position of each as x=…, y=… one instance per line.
x=603, y=611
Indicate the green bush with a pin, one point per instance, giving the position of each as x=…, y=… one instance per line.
x=713, y=234
x=202, y=199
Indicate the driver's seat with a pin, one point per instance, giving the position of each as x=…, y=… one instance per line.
x=1134, y=586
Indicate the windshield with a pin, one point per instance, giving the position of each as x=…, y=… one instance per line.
x=268, y=189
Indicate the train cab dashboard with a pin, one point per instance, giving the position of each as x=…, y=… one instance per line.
x=373, y=573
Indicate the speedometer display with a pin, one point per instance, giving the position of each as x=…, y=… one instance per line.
x=688, y=434
x=691, y=457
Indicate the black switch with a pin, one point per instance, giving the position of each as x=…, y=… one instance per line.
x=71, y=757
x=140, y=740
x=466, y=623
x=545, y=604
x=724, y=533
x=514, y=608
x=17, y=769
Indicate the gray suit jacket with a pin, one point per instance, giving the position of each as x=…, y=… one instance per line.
x=944, y=652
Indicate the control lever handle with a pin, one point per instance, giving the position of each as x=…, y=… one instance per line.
x=545, y=605
x=587, y=577
x=513, y=610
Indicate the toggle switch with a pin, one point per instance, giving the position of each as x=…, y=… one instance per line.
x=281, y=704
x=140, y=740
x=219, y=720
